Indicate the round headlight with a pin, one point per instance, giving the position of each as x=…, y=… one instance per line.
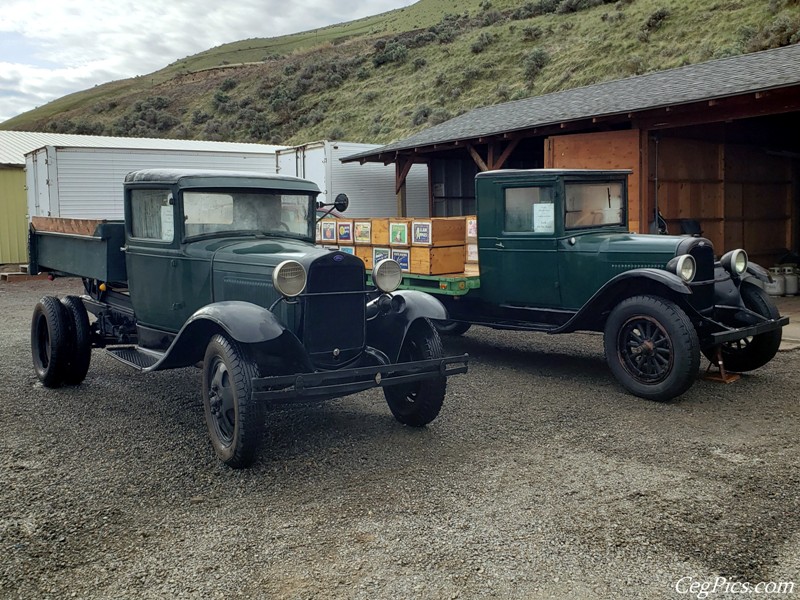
x=289, y=278
x=735, y=261
x=387, y=275
x=686, y=267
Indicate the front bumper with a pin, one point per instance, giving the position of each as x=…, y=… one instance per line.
x=302, y=387
x=738, y=333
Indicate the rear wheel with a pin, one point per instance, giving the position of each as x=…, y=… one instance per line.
x=80, y=353
x=755, y=351
x=452, y=327
x=235, y=421
x=418, y=403
x=50, y=341
x=651, y=347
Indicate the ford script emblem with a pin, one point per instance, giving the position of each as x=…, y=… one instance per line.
x=338, y=257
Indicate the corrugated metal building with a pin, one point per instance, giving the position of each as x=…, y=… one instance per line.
x=14, y=145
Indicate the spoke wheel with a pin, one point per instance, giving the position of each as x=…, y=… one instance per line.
x=651, y=347
x=645, y=349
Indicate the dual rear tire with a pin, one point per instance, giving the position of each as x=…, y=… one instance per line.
x=60, y=341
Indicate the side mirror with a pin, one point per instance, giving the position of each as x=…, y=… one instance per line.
x=341, y=203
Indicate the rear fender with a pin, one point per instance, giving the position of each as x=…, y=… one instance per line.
x=593, y=313
x=386, y=330
x=243, y=322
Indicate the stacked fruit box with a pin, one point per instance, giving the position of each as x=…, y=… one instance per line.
x=424, y=246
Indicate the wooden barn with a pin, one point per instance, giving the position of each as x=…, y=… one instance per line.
x=714, y=144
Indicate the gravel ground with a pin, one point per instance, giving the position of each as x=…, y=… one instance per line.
x=541, y=478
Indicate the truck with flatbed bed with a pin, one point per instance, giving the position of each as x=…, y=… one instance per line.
x=556, y=256
x=220, y=269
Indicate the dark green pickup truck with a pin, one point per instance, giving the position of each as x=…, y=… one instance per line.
x=556, y=256
x=221, y=269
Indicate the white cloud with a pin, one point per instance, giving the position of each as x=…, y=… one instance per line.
x=51, y=48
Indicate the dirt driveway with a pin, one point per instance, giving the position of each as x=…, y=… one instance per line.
x=541, y=478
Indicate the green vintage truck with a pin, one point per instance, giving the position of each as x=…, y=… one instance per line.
x=556, y=256
x=220, y=269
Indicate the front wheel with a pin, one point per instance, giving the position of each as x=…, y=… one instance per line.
x=235, y=421
x=751, y=352
x=651, y=347
x=418, y=403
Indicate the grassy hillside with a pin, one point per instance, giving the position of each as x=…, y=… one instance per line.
x=384, y=77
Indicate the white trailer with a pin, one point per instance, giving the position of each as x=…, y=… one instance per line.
x=86, y=182
x=370, y=187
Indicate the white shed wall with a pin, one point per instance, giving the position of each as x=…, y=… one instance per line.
x=87, y=182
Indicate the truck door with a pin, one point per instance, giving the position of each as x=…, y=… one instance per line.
x=163, y=285
x=521, y=260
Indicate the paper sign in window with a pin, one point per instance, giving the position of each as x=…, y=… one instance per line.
x=543, y=218
x=167, y=223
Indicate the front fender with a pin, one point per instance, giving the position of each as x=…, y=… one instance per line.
x=591, y=315
x=386, y=331
x=243, y=322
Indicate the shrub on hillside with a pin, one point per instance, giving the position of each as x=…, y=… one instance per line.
x=480, y=44
x=394, y=51
x=782, y=31
x=534, y=62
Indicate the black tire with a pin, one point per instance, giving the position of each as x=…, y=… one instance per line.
x=80, y=354
x=235, y=421
x=50, y=341
x=418, y=403
x=756, y=351
x=451, y=327
x=651, y=347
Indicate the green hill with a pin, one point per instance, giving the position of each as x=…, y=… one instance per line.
x=384, y=77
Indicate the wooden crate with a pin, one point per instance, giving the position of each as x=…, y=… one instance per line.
x=380, y=232
x=471, y=229
x=362, y=232
x=400, y=232
x=365, y=254
x=437, y=260
x=438, y=231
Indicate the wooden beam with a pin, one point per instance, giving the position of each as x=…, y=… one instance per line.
x=477, y=158
x=401, y=173
x=506, y=153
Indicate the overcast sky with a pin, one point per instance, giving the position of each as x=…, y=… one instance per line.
x=50, y=48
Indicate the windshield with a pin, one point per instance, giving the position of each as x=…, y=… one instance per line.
x=593, y=204
x=268, y=212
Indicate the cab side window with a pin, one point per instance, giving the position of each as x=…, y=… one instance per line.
x=529, y=209
x=152, y=215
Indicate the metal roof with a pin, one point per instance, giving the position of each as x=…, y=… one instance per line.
x=14, y=145
x=721, y=78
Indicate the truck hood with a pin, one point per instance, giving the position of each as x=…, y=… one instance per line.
x=632, y=250
x=235, y=254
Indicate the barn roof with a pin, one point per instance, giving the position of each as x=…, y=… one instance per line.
x=14, y=145
x=716, y=79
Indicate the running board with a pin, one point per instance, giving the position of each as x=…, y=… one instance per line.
x=135, y=357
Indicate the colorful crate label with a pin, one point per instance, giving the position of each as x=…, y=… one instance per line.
x=328, y=230
x=362, y=232
x=345, y=231
x=421, y=232
x=402, y=258
x=398, y=233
